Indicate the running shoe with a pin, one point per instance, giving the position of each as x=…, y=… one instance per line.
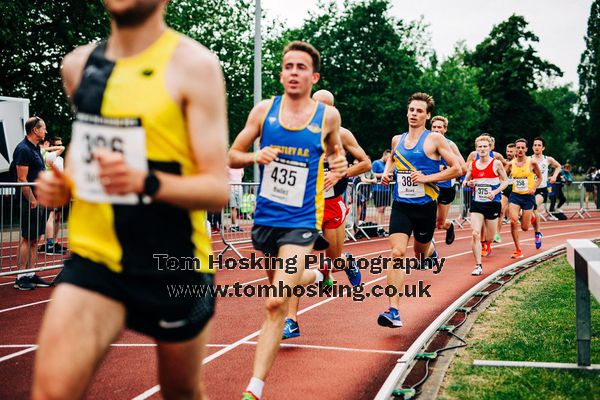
x=431, y=257
x=517, y=254
x=538, y=240
x=390, y=318
x=24, y=283
x=42, y=248
x=37, y=281
x=497, y=238
x=477, y=271
x=488, y=249
x=291, y=329
x=249, y=396
x=450, y=234
x=352, y=271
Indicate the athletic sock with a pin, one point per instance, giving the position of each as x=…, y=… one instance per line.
x=256, y=387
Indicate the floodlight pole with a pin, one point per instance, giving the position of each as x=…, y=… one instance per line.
x=257, y=70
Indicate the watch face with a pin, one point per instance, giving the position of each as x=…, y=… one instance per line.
x=151, y=185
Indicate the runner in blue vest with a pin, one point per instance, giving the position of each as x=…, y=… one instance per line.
x=296, y=132
x=416, y=160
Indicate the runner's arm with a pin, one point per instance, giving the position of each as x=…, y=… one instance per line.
x=351, y=146
x=238, y=153
x=335, y=149
x=538, y=174
x=467, y=179
x=453, y=170
x=461, y=160
x=206, y=112
x=499, y=169
x=557, y=168
x=386, y=175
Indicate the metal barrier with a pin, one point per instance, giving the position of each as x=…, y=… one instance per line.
x=371, y=207
x=238, y=217
x=22, y=228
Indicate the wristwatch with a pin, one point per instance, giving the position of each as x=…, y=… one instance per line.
x=151, y=186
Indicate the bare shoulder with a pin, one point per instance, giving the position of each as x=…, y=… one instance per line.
x=194, y=58
x=345, y=134
x=436, y=137
x=73, y=64
x=332, y=114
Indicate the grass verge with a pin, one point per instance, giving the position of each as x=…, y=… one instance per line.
x=533, y=320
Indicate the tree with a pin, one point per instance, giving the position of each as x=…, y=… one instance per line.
x=509, y=69
x=453, y=85
x=366, y=63
x=559, y=103
x=588, y=121
x=34, y=37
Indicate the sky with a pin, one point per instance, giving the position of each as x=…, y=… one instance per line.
x=560, y=24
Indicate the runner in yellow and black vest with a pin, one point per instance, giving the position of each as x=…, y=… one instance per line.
x=147, y=158
x=522, y=199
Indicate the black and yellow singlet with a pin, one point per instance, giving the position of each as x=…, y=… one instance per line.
x=126, y=238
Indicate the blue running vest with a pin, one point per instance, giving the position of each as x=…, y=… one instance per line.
x=291, y=187
x=414, y=159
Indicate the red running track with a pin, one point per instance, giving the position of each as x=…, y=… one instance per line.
x=342, y=352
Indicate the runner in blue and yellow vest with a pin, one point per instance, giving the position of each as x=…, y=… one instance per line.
x=524, y=171
x=416, y=159
x=147, y=158
x=296, y=133
x=447, y=190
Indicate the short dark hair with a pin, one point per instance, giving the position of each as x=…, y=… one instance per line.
x=511, y=145
x=308, y=48
x=541, y=140
x=421, y=96
x=522, y=140
x=55, y=140
x=386, y=151
x=32, y=122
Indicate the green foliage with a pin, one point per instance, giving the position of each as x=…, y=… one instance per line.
x=34, y=37
x=508, y=71
x=559, y=103
x=588, y=121
x=454, y=88
x=366, y=63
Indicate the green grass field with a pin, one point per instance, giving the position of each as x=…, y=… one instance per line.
x=533, y=320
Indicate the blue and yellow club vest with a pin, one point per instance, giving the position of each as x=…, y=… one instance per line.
x=301, y=147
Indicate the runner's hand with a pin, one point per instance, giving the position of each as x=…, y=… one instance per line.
x=471, y=183
x=386, y=178
x=116, y=177
x=552, y=181
x=491, y=196
x=418, y=177
x=337, y=162
x=330, y=180
x=53, y=188
x=267, y=154
x=532, y=191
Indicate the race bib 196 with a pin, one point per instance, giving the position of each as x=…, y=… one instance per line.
x=406, y=187
x=284, y=182
x=482, y=192
x=520, y=184
x=90, y=133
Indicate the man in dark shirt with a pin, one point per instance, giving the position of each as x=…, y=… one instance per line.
x=28, y=163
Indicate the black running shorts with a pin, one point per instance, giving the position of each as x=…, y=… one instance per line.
x=490, y=210
x=418, y=218
x=269, y=239
x=446, y=196
x=158, y=306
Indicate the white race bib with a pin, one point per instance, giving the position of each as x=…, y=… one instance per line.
x=521, y=184
x=284, y=182
x=482, y=192
x=130, y=140
x=406, y=188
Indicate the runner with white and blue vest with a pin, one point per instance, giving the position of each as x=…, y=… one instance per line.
x=447, y=190
x=416, y=160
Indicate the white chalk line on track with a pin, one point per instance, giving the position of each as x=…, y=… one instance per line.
x=156, y=389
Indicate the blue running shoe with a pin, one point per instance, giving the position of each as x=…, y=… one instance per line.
x=291, y=329
x=352, y=271
x=538, y=240
x=390, y=319
x=431, y=257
